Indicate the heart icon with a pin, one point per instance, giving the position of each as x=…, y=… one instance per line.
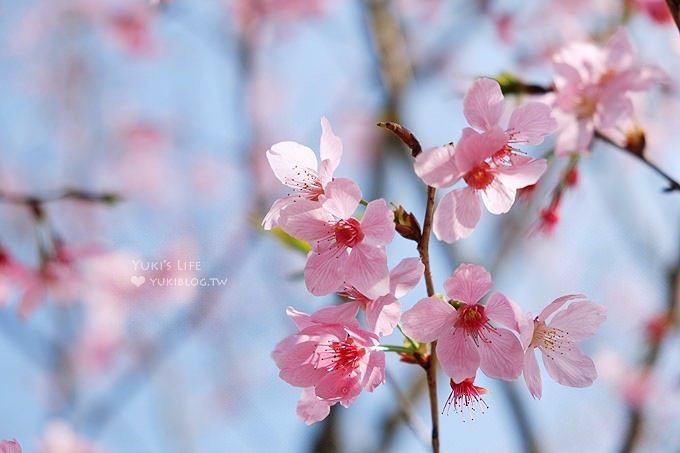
x=137, y=280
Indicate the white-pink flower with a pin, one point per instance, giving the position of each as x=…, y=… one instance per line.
x=331, y=357
x=383, y=313
x=556, y=339
x=592, y=89
x=485, y=160
x=345, y=251
x=296, y=166
x=466, y=338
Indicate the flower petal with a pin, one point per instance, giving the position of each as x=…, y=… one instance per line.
x=483, y=104
x=378, y=223
x=530, y=123
x=338, y=385
x=405, y=276
x=557, y=304
x=498, y=198
x=341, y=198
x=468, y=283
x=382, y=315
x=330, y=151
x=580, y=320
x=366, y=270
x=501, y=355
x=502, y=311
x=456, y=215
x=532, y=375
x=436, y=167
x=374, y=374
x=474, y=148
x=310, y=408
x=426, y=319
x=458, y=355
x=293, y=164
x=571, y=367
x=523, y=172
x=325, y=270
x=345, y=313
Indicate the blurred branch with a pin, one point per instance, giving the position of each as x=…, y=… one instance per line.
x=674, y=6
x=635, y=429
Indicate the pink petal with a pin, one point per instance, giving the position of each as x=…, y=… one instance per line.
x=325, y=270
x=301, y=319
x=523, y=172
x=501, y=355
x=458, y=355
x=295, y=364
x=337, y=385
x=580, y=320
x=330, y=151
x=405, y=276
x=483, y=105
x=366, y=270
x=620, y=50
x=468, y=283
x=474, y=148
x=498, y=198
x=307, y=221
x=425, y=321
x=575, y=137
x=382, y=315
x=456, y=215
x=530, y=123
x=271, y=220
x=293, y=164
x=436, y=167
x=557, y=304
x=570, y=367
x=345, y=313
x=532, y=375
x=378, y=223
x=10, y=446
x=500, y=310
x=374, y=374
x=310, y=408
x=342, y=198
x=526, y=329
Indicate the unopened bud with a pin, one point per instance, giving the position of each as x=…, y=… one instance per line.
x=407, y=224
x=635, y=141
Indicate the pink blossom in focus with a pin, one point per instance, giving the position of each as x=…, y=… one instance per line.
x=593, y=87
x=331, y=357
x=466, y=338
x=60, y=437
x=383, y=313
x=465, y=395
x=345, y=251
x=296, y=166
x=10, y=446
x=556, y=339
x=486, y=161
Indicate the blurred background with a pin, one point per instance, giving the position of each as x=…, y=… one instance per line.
x=141, y=301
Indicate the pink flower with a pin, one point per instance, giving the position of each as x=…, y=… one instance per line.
x=296, y=166
x=556, y=339
x=485, y=161
x=466, y=339
x=383, y=313
x=331, y=357
x=593, y=87
x=345, y=251
x=60, y=437
x=465, y=395
x=10, y=446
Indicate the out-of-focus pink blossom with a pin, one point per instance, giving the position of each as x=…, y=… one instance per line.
x=250, y=13
x=296, y=166
x=10, y=446
x=331, y=357
x=60, y=437
x=556, y=339
x=486, y=161
x=593, y=87
x=345, y=251
x=466, y=338
x=130, y=27
x=383, y=313
x=657, y=10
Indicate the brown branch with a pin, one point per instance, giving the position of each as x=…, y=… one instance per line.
x=674, y=6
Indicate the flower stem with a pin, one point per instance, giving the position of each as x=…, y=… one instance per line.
x=431, y=364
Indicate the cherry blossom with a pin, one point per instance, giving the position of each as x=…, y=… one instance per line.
x=564, y=361
x=296, y=166
x=10, y=446
x=485, y=160
x=466, y=338
x=60, y=437
x=593, y=87
x=383, y=313
x=331, y=357
x=345, y=251
x=465, y=395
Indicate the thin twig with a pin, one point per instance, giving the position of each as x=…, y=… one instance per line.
x=674, y=6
